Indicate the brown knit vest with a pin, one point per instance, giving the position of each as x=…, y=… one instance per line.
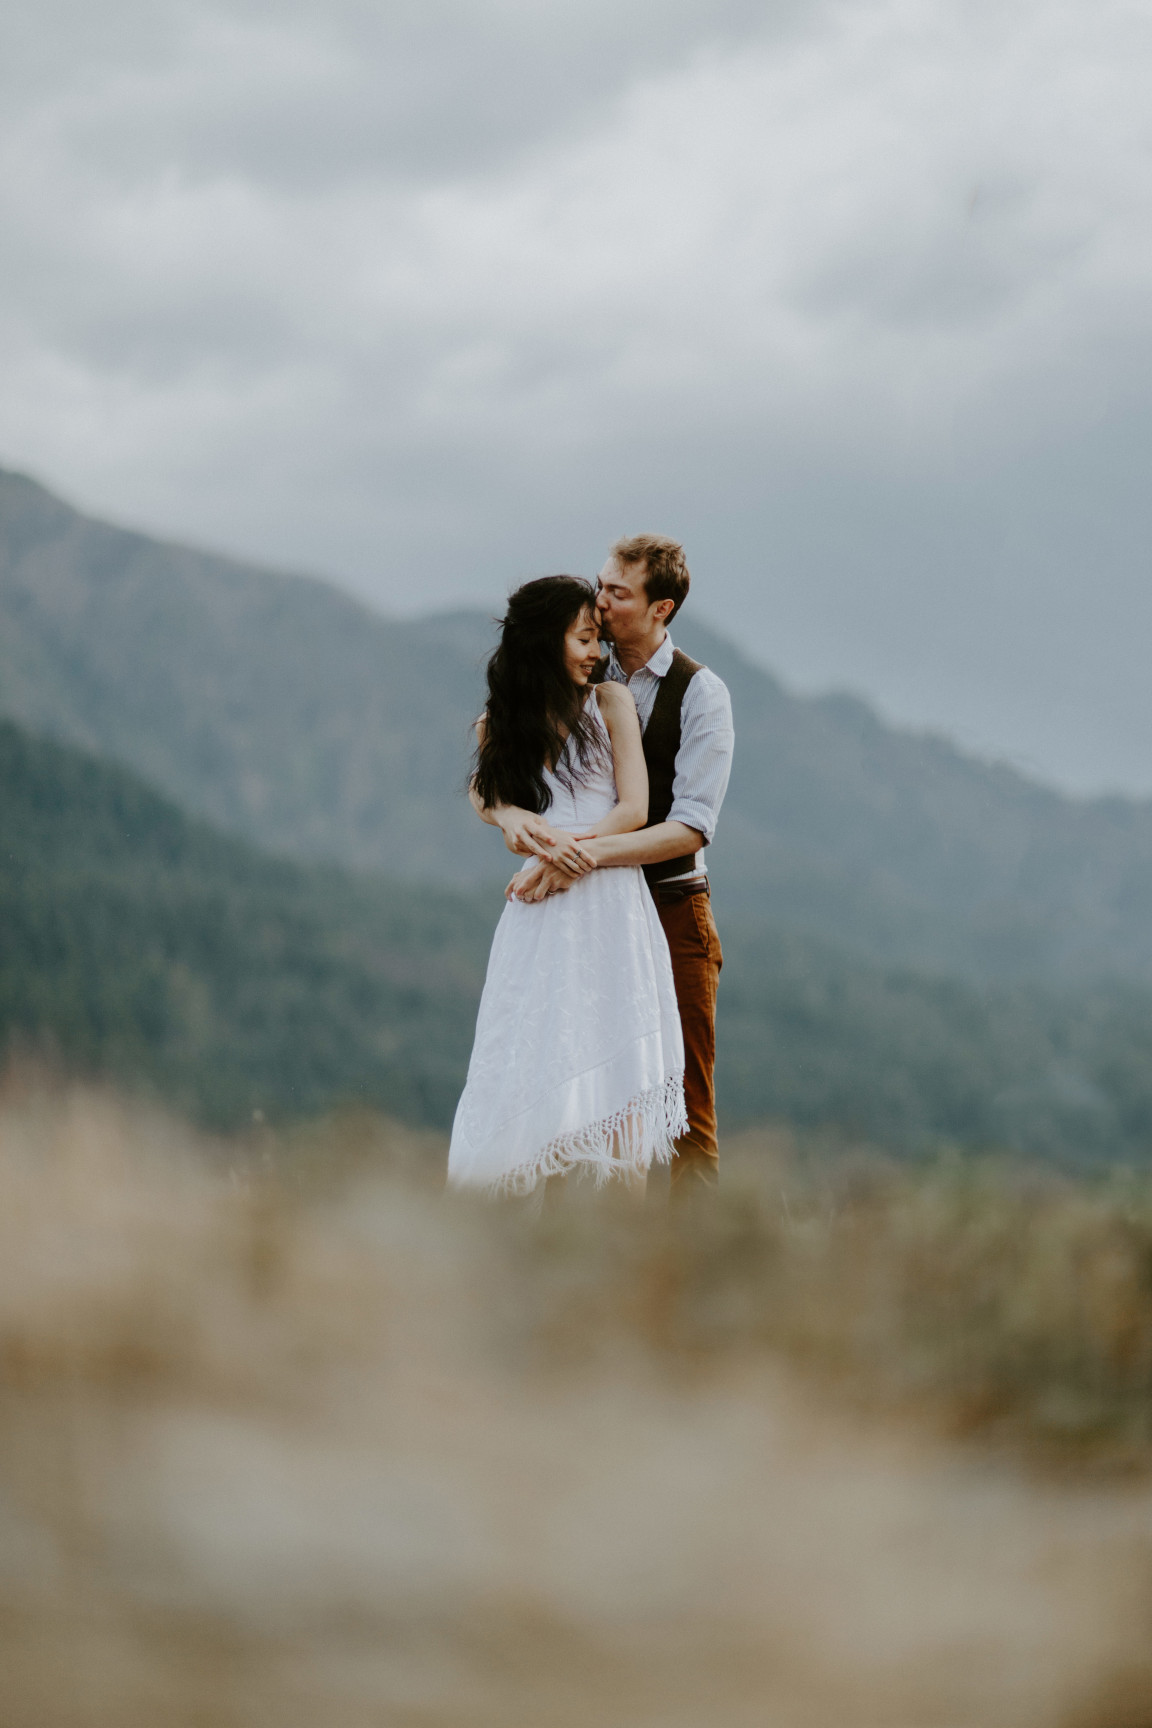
x=661, y=744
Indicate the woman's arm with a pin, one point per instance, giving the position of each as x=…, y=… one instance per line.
x=525, y=833
x=630, y=814
x=623, y=723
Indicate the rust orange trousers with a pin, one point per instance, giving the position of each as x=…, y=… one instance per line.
x=696, y=961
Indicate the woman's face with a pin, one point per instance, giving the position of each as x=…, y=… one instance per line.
x=582, y=647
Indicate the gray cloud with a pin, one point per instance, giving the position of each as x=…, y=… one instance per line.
x=428, y=297
x=304, y=95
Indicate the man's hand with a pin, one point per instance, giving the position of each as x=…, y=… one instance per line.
x=549, y=879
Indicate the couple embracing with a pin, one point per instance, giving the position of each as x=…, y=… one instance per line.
x=595, y=1039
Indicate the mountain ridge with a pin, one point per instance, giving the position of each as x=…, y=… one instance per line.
x=282, y=709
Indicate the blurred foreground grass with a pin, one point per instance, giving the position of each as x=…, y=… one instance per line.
x=286, y=1438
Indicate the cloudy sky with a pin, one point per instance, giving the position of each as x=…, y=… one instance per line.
x=430, y=296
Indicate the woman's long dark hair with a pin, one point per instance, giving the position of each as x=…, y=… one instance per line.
x=532, y=702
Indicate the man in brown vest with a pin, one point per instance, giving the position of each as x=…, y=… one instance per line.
x=686, y=718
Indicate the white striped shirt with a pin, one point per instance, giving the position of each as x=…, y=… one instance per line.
x=704, y=759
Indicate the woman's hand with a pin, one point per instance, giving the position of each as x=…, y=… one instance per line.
x=569, y=856
x=527, y=835
x=530, y=836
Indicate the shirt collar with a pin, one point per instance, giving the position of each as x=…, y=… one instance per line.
x=659, y=664
x=661, y=661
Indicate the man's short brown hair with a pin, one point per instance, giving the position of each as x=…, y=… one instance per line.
x=665, y=566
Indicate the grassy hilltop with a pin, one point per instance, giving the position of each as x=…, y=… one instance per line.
x=287, y=1439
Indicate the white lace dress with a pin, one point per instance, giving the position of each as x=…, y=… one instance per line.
x=579, y=1057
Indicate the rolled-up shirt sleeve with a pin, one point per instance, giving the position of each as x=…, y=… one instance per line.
x=704, y=759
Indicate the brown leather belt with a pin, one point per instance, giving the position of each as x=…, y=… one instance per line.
x=670, y=893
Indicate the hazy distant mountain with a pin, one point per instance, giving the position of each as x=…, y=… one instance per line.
x=272, y=704
x=282, y=709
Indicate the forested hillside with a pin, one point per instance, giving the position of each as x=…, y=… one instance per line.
x=810, y=1034
x=141, y=945
x=281, y=709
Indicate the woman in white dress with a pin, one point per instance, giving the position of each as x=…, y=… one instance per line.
x=578, y=1062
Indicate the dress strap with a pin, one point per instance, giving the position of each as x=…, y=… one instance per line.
x=594, y=704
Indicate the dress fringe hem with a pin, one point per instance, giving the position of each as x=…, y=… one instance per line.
x=626, y=1143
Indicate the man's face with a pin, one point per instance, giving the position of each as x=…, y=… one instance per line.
x=626, y=615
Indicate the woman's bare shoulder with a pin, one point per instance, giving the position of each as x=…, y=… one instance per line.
x=614, y=698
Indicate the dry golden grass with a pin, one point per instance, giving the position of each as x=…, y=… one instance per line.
x=288, y=1440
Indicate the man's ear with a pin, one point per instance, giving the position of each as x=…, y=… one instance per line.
x=662, y=610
